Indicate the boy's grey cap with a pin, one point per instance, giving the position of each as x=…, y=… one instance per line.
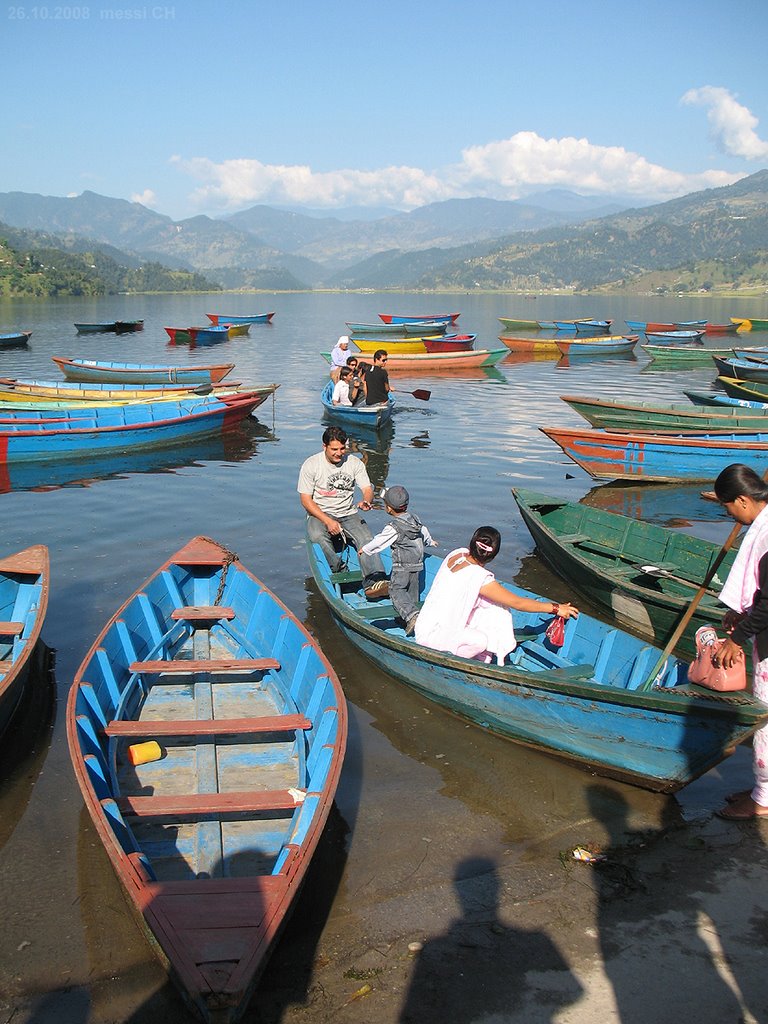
x=396, y=497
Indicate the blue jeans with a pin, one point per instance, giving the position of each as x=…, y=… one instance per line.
x=358, y=534
x=404, y=591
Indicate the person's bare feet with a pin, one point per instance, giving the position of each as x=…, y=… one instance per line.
x=742, y=808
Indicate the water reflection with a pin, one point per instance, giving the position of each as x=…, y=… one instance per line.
x=237, y=444
x=25, y=744
x=670, y=505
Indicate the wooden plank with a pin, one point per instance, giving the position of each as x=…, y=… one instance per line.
x=202, y=613
x=192, y=804
x=212, y=665
x=11, y=628
x=217, y=727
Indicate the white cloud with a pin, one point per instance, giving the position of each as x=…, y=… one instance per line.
x=504, y=169
x=731, y=125
x=146, y=198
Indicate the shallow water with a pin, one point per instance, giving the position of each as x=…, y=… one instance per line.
x=68, y=942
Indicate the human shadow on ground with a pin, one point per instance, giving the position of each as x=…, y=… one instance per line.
x=482, y=966
x=675, y=927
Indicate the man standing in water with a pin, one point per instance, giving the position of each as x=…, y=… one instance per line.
x=377, y=379
x=326, y=486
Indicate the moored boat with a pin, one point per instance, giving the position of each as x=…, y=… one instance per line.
x=674, y=337
x=371, y=416
x=14, y=339
x=686, y=354
x=642, y=326
x=64, y=434
x=250, y=318
x=14, y=389
x=729, y=328
x=397, y=318
x=420, y=328
x=24, y=584
x=617, y=345
x=663, y=458
x=753, y=370
x=678, y=418
x=182, y=335
x=438, y=360
x=752, y=390
x=141, y=373
x=510, y=324
x=593, y=701
x=532, y=345
x=751, y=324
x=413, y=346
x=246, y=722
x=642, y=575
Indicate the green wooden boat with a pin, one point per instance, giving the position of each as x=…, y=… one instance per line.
x=685, y=355
x=509, y=324
x=676, y=418
x=751, y=324
x=608, y=557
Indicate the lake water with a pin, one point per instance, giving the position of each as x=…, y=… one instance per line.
x=67, y=937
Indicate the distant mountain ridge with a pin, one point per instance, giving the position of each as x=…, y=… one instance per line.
x=555, y=239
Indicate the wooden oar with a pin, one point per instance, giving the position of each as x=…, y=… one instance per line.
x=656, y=570
x=688, y=613
x=421, y=393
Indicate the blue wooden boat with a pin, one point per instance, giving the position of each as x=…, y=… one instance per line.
x=582, y=325
x=663, y=458
x=755, y=355
x=114, y=428
x=212, y=840
x=24, y=583
x=619, y=345
x=370, y=416
x=588, y=701
x=212, y=335
x=251, y=318
x=141, y=373
x=712, y=398
x=742, y=369
x=14, y=339
x=674, y=337
x=691, y=325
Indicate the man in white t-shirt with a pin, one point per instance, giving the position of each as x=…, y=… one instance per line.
x=327, y=483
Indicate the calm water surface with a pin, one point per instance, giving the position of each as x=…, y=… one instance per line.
x=67, y=937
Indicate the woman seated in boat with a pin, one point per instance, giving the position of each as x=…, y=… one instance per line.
x=347, y=388
x=466, y=612
x=359, y=371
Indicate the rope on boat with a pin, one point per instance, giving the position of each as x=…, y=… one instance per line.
x=229, y=558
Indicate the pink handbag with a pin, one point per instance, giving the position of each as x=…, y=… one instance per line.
x=702, y=669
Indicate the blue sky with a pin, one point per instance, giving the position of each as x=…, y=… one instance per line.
x=211, y=107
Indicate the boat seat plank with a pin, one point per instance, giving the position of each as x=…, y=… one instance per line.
x=202, y=613
x=572, y=538
x=347, y=576
x=186, y=804
x=11, y=628
x=206, y=665
x=216, y=727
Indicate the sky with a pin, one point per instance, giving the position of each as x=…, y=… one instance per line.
x=213, y=106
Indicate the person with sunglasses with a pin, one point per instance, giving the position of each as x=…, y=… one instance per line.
x=377, y=386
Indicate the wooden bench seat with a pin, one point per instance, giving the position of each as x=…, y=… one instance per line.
x=212, y=666
x=202, y=613
x=193, y=804
x=213, y=727
x=347, y=576
x=11, y=628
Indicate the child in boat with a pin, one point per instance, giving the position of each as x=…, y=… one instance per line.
x=406, y=535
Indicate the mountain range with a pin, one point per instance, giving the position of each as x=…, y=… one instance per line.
x=554, y=239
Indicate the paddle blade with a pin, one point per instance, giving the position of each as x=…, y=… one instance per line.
x=422, y=394
x=204, y=389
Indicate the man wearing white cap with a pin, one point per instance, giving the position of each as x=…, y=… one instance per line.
x=339, y=355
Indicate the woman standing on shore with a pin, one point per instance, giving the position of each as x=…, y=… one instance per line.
x=744, y=496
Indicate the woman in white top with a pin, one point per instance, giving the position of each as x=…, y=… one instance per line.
x=466, y=612
x=341, y=395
